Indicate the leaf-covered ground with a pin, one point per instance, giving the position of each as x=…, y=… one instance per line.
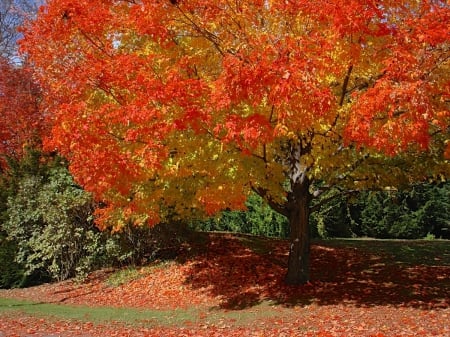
x=233, y=286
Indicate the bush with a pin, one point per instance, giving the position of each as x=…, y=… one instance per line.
x=409, y=214
x=50, y=220
x=13, y=274
x=259, y=219
x=47, y=220
x=137, y=245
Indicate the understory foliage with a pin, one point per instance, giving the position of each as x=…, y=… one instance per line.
x=417, y=212
x=49, y=218
x=47, y=228
x=13, y=273
x=258, y=219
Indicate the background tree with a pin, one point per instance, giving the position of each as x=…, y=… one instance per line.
x=418, y=212
x=167, y=109
x=13, y=13
x=257, y=219
x=22, y=123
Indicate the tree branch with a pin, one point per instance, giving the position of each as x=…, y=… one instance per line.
x=345, y=84
x=322, y=202
x=205, y=33
x=262, y=192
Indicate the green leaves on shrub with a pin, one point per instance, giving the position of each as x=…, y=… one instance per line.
x=421, y=211
x=47, y=219
x=259, y=219
x=50, y=219
x=12, y=273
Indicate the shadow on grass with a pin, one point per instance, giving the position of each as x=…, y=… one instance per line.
x=365, y=273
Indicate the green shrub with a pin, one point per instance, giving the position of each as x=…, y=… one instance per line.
x=259, y=219
x=50, y=220
x=137, y=245
x=408, y=214
x=429, y=237
x=12, y=274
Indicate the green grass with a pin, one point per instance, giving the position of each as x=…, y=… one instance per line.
x=99, y=314
x=410, y=252
x=137, y=317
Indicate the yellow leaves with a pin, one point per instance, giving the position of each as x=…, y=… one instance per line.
x=189, y=106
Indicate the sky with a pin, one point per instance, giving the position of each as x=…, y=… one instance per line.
x=12, y=15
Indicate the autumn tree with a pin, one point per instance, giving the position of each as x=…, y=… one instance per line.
x=168, y=109
x=21, y=122
x=10, y=19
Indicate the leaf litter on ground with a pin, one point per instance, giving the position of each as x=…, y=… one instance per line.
x=230, y=289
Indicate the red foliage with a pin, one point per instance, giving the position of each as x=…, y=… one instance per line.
x=409, y=101
x=136, y=87
x=21, y=121
x=356, y=294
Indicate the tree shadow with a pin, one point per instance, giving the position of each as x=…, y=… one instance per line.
x=242, y=278
x=68, y=290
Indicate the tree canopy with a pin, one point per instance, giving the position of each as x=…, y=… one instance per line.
x=174, y=108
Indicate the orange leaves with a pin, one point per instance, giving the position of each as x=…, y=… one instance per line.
x=217, y=198
x=141, y=92
x=280, y=79
x=390, y=117
x=353, y=18
x=246, y=132
x=406, y=105
x=272, y=72
x=430, y=26
x=241, y=81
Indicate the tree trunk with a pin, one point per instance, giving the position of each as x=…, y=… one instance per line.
x=299, y=250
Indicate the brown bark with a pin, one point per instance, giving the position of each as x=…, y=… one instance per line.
x=299, y=250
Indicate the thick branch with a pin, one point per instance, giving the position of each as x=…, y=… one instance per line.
x=281, y=209
x=345, y=84
x=325, y=201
